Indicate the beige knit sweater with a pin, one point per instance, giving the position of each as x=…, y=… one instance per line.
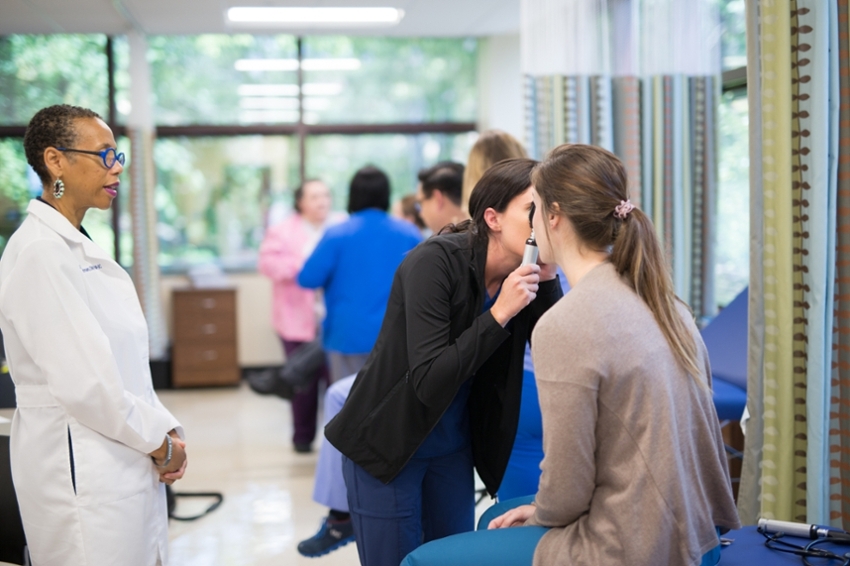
x=634, y=469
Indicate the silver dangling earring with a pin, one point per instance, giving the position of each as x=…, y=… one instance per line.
x=58, y=188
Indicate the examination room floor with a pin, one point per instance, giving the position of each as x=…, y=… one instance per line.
x=239, y=444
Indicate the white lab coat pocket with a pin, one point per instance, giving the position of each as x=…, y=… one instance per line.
x=106, y=470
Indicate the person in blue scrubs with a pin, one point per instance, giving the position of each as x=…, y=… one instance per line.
x=441, y=390
x=353, y=264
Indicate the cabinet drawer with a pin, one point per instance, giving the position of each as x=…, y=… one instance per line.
x=187, y=303
x=203, y=356
x=208, y=327
x=199, y=378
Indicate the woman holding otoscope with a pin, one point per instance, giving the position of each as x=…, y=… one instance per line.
x=440, y=392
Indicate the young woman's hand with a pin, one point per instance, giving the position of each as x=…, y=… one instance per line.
x=516, y=517
x=518, y=290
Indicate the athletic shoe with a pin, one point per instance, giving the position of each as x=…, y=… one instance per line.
x=332, y=534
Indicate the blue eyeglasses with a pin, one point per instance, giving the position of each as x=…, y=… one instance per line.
x=109, y=156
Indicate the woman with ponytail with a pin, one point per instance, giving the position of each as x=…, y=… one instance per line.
x=634, y=470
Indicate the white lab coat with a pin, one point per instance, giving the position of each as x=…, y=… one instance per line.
x=77, y=346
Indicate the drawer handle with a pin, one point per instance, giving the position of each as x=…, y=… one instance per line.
x=209, y=328
x=208, y=303
x=210, y=355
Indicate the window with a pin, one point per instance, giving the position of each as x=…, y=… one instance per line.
x=41, y=70
x=733, y=42
x=732, y=267
x=732, y=264
x=382, y=80
x=214, y=196
x=208, y=79
x=237, y=126
x=335, y=158
x=240, y=120
x=18, y=184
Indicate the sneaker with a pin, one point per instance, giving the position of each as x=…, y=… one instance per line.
x=332, y=535
x=303, y=448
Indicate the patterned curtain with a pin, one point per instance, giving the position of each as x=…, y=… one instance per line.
x=838, y=392
x=796, y=444
x=648, y=92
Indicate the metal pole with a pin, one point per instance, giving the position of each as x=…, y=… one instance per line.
x=111, y=119
x=301, y=128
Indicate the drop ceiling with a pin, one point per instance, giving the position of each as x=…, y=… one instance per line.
x=423, y=18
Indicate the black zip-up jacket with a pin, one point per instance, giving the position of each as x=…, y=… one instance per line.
x=434, y=337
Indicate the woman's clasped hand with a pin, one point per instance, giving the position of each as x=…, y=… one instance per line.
x=173, y=470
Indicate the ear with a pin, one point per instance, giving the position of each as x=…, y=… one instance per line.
x=554, y=216
x=491, y=217
x=54, y=160
x=440, y=198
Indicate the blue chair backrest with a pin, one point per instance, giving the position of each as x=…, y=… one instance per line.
x=726, y=340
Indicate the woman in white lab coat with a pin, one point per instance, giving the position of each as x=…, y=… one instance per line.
x=91, y=443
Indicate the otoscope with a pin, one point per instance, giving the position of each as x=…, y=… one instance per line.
x=530, y=254
x=802, y=530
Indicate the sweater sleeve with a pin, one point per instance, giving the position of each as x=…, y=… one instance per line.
x=568, y=469
x=279, y=261
x=568, y=395
x=438, y=366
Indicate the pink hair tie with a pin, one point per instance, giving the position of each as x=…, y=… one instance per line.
x=623, y=209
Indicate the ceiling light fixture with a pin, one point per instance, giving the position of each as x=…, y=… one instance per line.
x=315, y=16
x=267, y=90
x=348, y=64
x=310, y=89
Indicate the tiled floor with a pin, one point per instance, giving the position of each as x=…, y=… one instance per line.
x=239, y=444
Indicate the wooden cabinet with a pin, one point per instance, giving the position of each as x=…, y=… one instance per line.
x=204, y=342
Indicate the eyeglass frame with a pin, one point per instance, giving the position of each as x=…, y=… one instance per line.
x=119, y=157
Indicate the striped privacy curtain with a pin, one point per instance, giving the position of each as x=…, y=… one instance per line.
x=797, y=453
x=639, y=79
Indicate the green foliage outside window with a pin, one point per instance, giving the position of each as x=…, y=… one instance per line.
x=213, y=196
x=43, y=70
x=14, y=187
x=733, y=42
x=732, y=267
x=399, y=80
x=195, y=81
x=335, y=158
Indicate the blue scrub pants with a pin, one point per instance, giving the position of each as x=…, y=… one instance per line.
x=431, y=498
x=512, y=546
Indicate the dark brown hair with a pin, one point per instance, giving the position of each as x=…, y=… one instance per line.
x=445, y=176
x=585, y=184
x=500, y=184
x=52, y=127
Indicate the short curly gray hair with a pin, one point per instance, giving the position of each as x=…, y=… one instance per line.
x=52, y=127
